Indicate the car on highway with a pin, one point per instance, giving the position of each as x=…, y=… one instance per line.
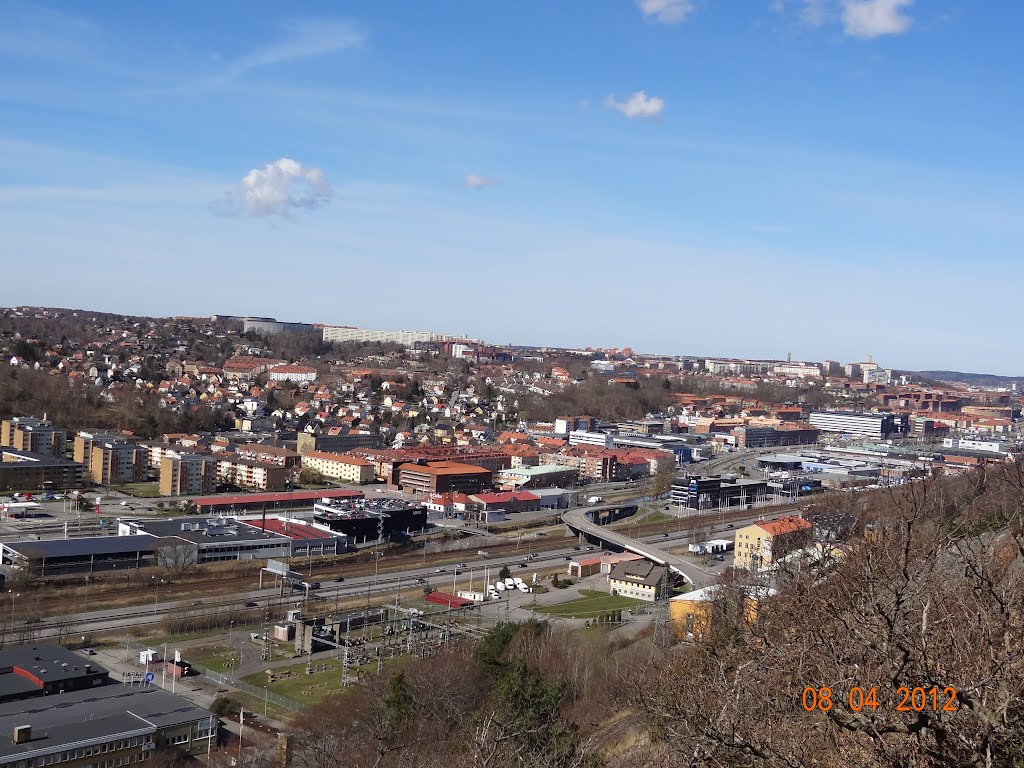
x=252, y=604
x=729, y=525
x=421, y=581
x=441, y=570
x=576, y=549
x=339, y=579
x=463, y=565
x=524, y=565
x=568, y=557
x=314, y=585
x=664, y=535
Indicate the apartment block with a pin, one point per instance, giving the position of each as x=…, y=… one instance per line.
x=117, y=461
x=252, y=474
x=339, y=466
x=25, y=470
x=188, y=474
x=876, y=426
x=27, y=433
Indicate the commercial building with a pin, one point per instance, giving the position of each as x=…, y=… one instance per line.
x=339, y=466
x=760, y=545
x=715, y=491
x=268, y=502
x=543, y=476
x=105, y=727
x=306, y=443
x=26, y=470
x=522, y=501
x=116, y=461
x=878, y=426
x=443, y=476
x=85, y=554
x=188, y=474
x=186, y=540
x=640, y=579
x=343, y=333
x=364, y=520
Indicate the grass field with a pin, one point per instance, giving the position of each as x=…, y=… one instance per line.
x=219, y=658
x=293, y=682
x=140, y=490
x=591, y=605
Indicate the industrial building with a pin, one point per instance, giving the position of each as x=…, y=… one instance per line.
x=31, y=671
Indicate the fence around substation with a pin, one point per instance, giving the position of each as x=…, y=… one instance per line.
x=256, y=691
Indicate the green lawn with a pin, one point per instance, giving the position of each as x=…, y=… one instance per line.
x=140, y=490
x=591, y=605
x=219, y=658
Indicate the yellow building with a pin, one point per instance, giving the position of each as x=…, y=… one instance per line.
x=339, y=466
x=690, y=614
x=114, y=462
x=761, y=544
x=189, y=474
x=27, y=433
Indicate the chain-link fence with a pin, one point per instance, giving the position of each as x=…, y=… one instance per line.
x=255, y=691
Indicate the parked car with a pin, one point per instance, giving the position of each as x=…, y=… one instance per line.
x=88, y=651
x=720, y=558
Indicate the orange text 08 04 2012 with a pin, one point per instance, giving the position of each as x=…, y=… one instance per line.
x=906, y=699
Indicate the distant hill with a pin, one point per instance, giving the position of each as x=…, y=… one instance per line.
x=974, y=379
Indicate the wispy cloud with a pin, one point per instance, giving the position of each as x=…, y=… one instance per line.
x=474, y=181
x=29, y=30
x=814, y=13
x=874, y=18
x=639, y=104
x=303, y=39
x=666, y=11
x=277, y=189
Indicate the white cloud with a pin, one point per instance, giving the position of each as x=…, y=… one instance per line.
x=638, y=104
x=874, y=18
x=665, y=11
x=304, y=38
x=473, y=181
x=814, y=13
x=276, y=189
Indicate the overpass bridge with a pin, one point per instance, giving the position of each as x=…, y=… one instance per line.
x=579, y=521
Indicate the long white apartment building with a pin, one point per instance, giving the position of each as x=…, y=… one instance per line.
x=871, y=425
x=342, y=333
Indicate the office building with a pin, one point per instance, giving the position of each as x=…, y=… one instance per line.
x=206, y=540
x=877, y=426
x=442, y=477
x=31, y=671
x=106, y=727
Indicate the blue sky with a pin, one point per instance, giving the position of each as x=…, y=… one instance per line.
x=830, y=178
